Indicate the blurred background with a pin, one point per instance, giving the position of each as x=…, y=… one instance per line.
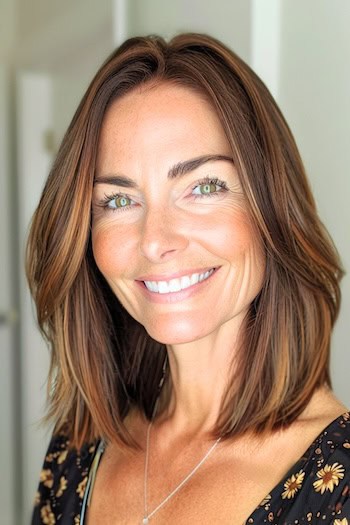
x=49, y=50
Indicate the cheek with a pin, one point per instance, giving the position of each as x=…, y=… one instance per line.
x=232, y=232
x=239, y=243
x=111, y=251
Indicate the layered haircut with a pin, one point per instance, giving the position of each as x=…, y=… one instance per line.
x=103, y=362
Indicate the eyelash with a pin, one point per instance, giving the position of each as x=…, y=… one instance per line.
x=104, y=203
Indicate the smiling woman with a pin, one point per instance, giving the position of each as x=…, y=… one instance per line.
x=188, y=291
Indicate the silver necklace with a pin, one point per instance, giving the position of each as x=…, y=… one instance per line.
x=147, y=515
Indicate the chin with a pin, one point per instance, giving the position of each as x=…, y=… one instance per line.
x=176, y=340
x=175, y=333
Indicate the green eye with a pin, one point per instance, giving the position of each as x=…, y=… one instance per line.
x=120, y=202
x=207, y=188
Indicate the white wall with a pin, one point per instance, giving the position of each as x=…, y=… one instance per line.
x=265, y=42
x=229, y=21
x=34, y=104
x=8, y=28
x=315, y=98
x=70, y=80
x=51, y=36
x=7, y=376
x=67, y=41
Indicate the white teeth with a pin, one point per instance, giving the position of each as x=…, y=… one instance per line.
x=194, y=278
x=163, y=287
x=175, y=285
x=185, y=282
x=152, y=286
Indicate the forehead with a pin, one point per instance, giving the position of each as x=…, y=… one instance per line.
x=161, y=119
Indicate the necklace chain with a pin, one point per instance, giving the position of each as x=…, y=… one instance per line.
x=177, y=488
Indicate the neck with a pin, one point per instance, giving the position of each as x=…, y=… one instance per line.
x=200, y=374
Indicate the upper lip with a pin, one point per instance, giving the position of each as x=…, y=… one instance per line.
x=176, y=275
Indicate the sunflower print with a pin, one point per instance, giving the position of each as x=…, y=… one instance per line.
x=329, y=477
x=81, y=487
x=62, y=487
x=293, y=484
x=47, y=516
x=46, y=477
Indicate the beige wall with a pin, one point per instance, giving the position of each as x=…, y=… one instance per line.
x=8, y=29
x=315, y=97
x=51, y=36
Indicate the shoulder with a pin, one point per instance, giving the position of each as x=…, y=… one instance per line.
x=325, y=474
x=333, y=444
x=317, y=487
x=62, y=482
x=325, y=466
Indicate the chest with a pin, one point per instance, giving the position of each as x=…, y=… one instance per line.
x=223, y=491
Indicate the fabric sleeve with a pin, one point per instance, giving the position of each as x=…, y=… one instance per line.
x=62, y=483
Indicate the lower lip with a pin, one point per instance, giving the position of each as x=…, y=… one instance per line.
x=174, y=297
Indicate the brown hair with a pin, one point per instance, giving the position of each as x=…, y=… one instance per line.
x=97, y=373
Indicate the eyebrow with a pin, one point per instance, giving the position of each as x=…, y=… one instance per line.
x=178, y=170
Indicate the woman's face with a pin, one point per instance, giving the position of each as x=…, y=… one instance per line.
x=168, y=208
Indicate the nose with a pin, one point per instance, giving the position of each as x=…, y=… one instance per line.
x=162, y=236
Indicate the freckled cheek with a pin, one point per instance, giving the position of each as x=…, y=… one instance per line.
x=111, y=251
x=232, y=233
x=250, y=253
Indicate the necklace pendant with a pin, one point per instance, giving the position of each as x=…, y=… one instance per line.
x=145, y=520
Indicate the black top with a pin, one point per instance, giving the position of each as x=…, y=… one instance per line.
x=316, y=489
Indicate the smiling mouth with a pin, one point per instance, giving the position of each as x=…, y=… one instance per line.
x=176, y=285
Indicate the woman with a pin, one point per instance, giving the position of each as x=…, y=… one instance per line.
x=189, y=314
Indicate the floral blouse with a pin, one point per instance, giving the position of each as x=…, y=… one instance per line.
x=316, y=489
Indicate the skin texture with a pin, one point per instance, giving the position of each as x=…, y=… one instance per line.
x=165, y=227
x=167, y=230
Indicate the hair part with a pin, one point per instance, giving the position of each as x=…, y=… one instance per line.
x=103, y=363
